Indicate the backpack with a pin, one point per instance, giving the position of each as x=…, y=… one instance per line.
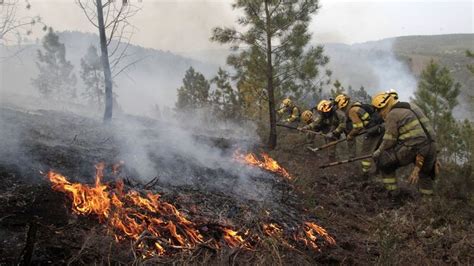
x=375, y=118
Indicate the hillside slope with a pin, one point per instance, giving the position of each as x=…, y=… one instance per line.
x=152, y=80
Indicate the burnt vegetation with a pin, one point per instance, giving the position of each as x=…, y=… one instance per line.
x=207, y=182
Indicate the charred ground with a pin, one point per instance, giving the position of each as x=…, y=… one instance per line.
x=36, y=223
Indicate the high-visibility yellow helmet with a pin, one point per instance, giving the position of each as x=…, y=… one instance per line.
x=287, y=102
x=382, y=99
x=342, y=100
x=324, y=106
x=307, y=116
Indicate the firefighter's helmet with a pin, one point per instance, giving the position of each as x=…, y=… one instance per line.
x=307, y=116
x=287, y=102
x=342, y=100
x=382, y=99
x=324, y=106
x=394, y=93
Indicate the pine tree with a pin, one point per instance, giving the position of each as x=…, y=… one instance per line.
x=56, y=78
x=276, y=52
x=437, y=94
x=338, y=89
x=470, y=54
x=93, y=77
x=361, y=95
x=224, y=98
x=195, y=91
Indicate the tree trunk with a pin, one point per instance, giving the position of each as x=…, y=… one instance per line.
x=272, y=141
x=105, y=63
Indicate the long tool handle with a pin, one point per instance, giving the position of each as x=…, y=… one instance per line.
x=346, y=161
x=303, y=130
x=332, y=143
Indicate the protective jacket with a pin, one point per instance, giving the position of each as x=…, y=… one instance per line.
x=333, y=122
x=408, y=134
x=293, y=113
x=361, y=116
x=404, y=125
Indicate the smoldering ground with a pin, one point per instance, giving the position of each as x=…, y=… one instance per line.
x=194, y=153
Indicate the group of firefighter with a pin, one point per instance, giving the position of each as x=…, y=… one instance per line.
x=393, y=133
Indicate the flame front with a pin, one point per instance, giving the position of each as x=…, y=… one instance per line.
x=157, y=227
x=130, y=215
x=267, y=163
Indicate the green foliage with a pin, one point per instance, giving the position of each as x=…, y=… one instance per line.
x=338, y=89
x=224, y=99
x=195, y=91
x=359, y=95
x=56, y=78
x=470, y=54
x=437, y=94
x=276, y=60
x=92, y=75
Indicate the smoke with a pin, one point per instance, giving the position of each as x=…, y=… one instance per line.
x=373, y=65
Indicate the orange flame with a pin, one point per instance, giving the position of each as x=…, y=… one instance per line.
x=268, y=163
x=272, y=229
x=311, y=233
x=232, y=238
x=129, y=214
x=157, y=227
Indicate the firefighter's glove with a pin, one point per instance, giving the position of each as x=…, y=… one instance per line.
x=350, y=137
x=376, y=155
x=414, y=176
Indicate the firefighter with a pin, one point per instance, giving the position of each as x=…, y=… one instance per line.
x=290, y=111
x=330, y=121
x=307, y=118
x=408, y=138
x=361, y=117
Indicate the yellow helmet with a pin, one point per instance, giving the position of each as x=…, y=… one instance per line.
x=287, y=102
x=324, y=106
x=306, y=116
x=382, y=99
x=342, y=100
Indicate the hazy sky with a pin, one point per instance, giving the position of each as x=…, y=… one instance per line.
x=185, y=25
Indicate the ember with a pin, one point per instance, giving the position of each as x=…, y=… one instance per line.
x=268, y=163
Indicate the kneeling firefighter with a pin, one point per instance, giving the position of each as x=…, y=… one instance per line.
x=289, y=112
x=409, y=138
x=361, y=117
x=330, y=121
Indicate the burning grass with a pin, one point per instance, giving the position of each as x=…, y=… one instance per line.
x=266, y=163
x=157, y=228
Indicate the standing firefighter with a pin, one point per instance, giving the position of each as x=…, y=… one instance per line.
x=330, y=121
x=408, y=138
x=290, y=111
x=359, y=117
